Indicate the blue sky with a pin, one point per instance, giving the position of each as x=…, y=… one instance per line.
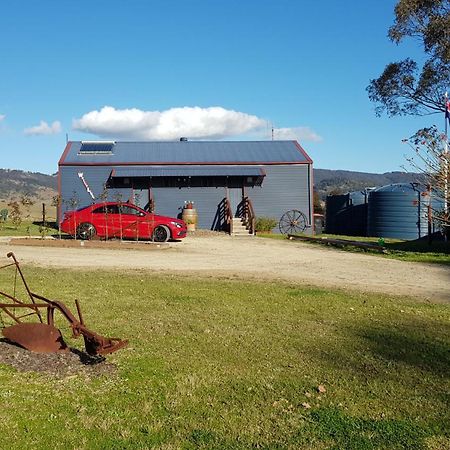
x=205, y=69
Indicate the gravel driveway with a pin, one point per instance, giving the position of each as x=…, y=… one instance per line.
x=256, y=258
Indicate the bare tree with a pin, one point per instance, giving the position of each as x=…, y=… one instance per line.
x=15, y=213
x=118, y=197
x=73, y=203
x=27, y=203
x=57, y=202
x=103, y=197
x=431, y=159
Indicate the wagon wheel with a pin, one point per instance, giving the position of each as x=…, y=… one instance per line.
x=292, y=222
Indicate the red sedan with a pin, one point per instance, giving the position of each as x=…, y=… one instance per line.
x=121, y=220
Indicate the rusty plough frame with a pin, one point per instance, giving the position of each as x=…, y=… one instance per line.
x=45, y=337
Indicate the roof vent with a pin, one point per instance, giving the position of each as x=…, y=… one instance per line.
x=183, y=139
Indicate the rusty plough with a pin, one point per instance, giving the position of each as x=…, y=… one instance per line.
x=38, y=336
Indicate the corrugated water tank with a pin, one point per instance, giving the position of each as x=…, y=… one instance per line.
x=347, y=214
x=398, y=211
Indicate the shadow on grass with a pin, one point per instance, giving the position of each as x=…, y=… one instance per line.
x=420, y=246
x=422, y=350
x=389, y=354
x=334, y=427
x=349, y=432
x=86, y=359
x=370, y=350
x=49, y=225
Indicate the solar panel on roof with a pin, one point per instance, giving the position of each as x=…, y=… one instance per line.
x=97, y=147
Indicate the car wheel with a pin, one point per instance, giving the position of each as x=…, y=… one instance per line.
x=86, y=231
x=161, y=234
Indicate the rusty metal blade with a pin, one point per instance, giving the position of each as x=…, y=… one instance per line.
x=36, y=337
x=99, y=345
x=112, y=346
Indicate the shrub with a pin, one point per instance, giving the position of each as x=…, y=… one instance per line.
x=265, y=224
x=4, y=215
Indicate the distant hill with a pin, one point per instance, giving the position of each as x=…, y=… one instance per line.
x=14, y=183
x=39, y=187
x=17, y=182
x=342, y=181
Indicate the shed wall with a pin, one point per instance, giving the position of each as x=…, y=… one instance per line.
x=73, y=193
x=284, y=188
x=170, y=201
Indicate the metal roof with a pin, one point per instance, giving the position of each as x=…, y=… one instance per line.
x=190, y=152
x=204, y=171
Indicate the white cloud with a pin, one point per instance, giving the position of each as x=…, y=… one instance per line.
x=2, y=117
x=298, y=133
x=192, y=122
x=44, y=129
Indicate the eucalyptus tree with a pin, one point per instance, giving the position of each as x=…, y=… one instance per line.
x=408, y=87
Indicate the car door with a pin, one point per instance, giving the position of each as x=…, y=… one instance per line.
x=112, y=221
x=129, y=222
x=105, y=220
x=146, y=225
x=99, y=220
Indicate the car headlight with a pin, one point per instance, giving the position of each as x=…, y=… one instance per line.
x=176, y=224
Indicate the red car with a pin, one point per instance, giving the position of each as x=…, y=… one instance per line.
x=121, y=220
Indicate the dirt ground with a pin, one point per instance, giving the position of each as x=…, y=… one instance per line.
x=58, y=365
x=217, y=255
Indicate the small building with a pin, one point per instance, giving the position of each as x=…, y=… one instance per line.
x=276, y=176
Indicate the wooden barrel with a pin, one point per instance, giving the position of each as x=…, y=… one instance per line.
x=189, y=215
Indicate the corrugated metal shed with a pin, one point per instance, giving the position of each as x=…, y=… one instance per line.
x=275, y=175
x=190, y=152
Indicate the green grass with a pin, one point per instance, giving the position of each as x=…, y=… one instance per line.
x=438, y=252
x=27, y=228
x=227, y=364
x=271, y=235
x=414, y=251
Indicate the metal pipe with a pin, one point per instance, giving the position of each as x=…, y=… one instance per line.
x=11, y=255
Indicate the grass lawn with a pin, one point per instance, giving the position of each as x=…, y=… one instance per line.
x=437, y=252
x=28, y=228
x=228, y=364
x=415, y=251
